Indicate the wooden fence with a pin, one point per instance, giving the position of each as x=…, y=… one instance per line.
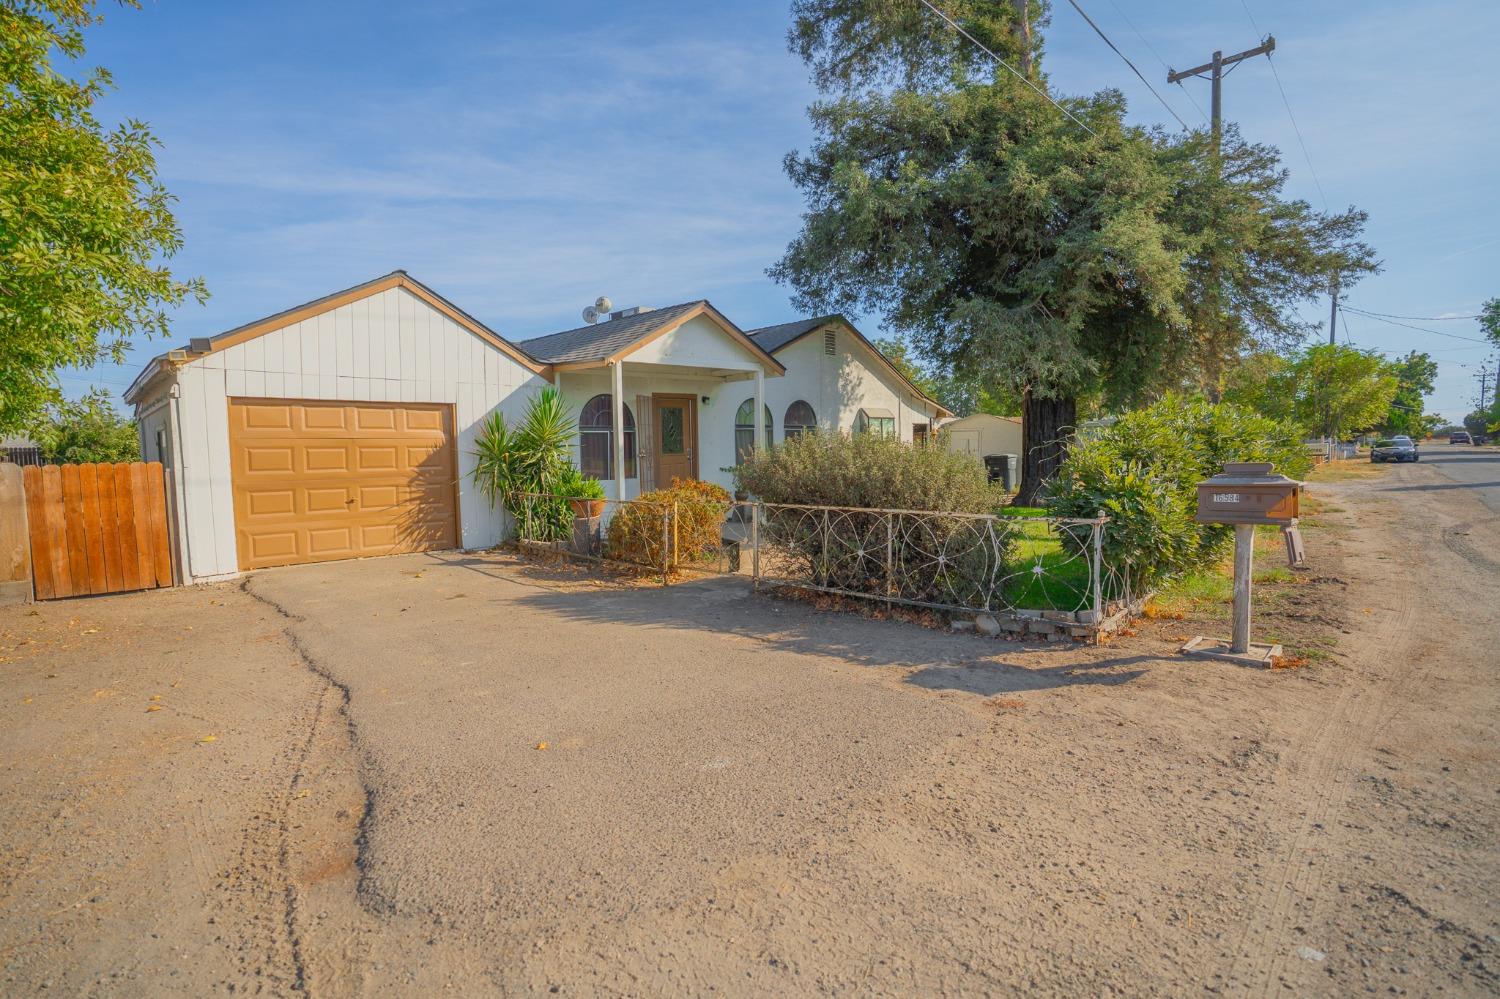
x=98, y=528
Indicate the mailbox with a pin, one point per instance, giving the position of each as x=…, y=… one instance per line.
x=1249, y=493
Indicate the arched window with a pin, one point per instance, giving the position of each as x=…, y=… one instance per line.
x=875, y=421
x=596, y=453
x=800, y=419
x=744, y=429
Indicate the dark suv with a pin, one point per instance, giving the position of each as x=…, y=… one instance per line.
x=1460, y=437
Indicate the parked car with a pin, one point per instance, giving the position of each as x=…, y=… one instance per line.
x=1459, y=437
x=1394, y=449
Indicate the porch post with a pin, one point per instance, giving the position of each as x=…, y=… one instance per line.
x=617, y=439
x=760, y=411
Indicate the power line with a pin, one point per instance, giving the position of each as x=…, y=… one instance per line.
x=1014, y=72
x=1099, y=31
x=1415, y=319
x=1310, y=168
x=1152, y=49
x=1420, y=329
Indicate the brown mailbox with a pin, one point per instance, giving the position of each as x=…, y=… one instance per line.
x=1249, y=493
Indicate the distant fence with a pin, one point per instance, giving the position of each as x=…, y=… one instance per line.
x=21, y=455
x=98, y=528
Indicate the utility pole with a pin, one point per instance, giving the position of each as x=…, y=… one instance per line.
x=1333, y=317
x=1215, y=69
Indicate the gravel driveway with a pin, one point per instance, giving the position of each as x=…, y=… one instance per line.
x=405, y=774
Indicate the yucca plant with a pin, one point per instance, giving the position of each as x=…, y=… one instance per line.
x=521, y=468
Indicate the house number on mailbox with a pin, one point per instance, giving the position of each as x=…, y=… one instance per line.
x=1226, y=497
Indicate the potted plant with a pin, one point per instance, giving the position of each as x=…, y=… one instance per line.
x=583, y=493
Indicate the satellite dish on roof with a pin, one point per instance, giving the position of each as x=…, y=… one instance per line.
x=590, y=315
x=603, y=304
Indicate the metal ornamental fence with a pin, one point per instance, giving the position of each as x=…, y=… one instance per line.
x=960, y=562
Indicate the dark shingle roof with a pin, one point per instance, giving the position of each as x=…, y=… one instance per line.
x=602, y=340
x=773, y=338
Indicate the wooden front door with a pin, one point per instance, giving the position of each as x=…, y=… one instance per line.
x=675, y=427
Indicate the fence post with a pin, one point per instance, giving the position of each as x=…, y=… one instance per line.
x=1098, y=572
x=890, y=560
x=755, y=509
x=666, y=534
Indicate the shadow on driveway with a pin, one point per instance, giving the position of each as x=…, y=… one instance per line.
x=935, y=659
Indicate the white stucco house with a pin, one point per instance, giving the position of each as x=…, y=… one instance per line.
x=344, y=427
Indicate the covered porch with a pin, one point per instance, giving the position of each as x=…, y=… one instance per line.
x=640, y=425
x=660, y=394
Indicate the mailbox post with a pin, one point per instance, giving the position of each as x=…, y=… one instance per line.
x=1246, y=495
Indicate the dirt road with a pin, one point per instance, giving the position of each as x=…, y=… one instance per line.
x=431, y=772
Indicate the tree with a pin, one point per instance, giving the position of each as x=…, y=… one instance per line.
x=1489, y=320
x=1477, y=422
x=1014, y=247
x=86, y=430
x=1341, y=390
x=1264, y=382
x=1415, y=374
x=84, y=221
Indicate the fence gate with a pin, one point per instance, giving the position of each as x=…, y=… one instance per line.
x=97, y=528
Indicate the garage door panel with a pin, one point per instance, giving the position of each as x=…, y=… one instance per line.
x=272, y=544
x=325, y=458
x=270, y=458
x=271, y=502
x=374, y=419
x=327, y=499
x=315, y=481
x=267, y=416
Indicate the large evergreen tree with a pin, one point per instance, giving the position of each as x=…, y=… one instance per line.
x=1018, y=247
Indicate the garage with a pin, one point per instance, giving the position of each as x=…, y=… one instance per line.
x=340, y=428
x=317, y=480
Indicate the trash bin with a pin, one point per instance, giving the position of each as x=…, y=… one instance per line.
x=1003, y=468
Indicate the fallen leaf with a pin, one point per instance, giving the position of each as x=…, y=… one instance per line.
x=153, y=707
x=1289, y=662
x=207, y=739
x=541, y=745
x=154, y=697
x=91, y=631
x=27, y=701
x=301, y=794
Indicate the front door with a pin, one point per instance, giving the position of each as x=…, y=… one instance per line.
x=676, y=430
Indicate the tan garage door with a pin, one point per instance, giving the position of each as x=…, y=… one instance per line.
x=315, y=481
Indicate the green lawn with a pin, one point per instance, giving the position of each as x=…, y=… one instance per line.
x=1063, y=583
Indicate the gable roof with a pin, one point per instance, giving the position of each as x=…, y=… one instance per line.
x=773, y=338
x=200, y=346
x=783, y=335
x=603, y=340
x=613, y=339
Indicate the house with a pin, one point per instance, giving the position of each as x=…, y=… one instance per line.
x=982, y=434
x=344, y=427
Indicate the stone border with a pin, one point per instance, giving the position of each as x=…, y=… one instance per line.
x=1051, y=626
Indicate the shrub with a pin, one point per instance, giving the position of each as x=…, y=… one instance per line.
x=573, y=484
x=868, y=470
x=934, y=559
x=1143, y=472
x=522, y=468
x=636, y=530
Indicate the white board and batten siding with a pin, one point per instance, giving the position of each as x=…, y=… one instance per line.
x=388, y=347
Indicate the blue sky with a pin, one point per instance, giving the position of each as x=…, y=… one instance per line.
x=525, y=158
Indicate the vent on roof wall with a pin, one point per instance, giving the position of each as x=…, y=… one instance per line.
x=634, y=310
x=830, y=344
